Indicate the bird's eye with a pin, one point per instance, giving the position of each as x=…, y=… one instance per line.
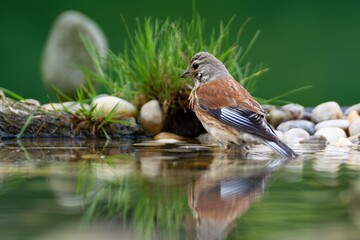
x=195, y=65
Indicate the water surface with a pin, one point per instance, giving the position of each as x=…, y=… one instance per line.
x=82, y=189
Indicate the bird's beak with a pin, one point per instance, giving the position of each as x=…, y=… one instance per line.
x=185, y=74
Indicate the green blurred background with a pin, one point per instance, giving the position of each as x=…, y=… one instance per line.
x=303, y=42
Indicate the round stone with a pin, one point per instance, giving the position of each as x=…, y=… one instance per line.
x=295, y=135
x=117, y=107
x=340, y=123
x=33, y=102
x=278, y=116
x=332, y=134
x=326, y=111
x=65, y=54
x=151, y=117
x=303, y=124
x=352, y=116
x=168, y=135
x=354, y=127
x=296, y=111
x=355, y=107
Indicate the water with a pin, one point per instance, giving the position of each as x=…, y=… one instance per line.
x=76, y=189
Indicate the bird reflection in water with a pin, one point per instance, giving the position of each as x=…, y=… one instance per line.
x=221, y=196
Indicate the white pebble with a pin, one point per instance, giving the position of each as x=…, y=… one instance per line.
x=332, y=134
x=340, y=123
x=326, y=111
x=295, y=135
x=354, y=127
x=120, y=108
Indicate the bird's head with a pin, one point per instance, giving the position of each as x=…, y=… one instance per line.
x=204, y=67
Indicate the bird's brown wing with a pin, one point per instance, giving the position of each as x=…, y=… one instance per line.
x=231, y=104
x=227, y=93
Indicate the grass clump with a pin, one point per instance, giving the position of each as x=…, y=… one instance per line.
x=157, y=52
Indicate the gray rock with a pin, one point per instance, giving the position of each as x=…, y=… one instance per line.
x=31, y=102
x=268, y=108
x=278, y=116
x=303, y=124
x=326, y=111
x=355, y=107
x=64, y=52
x=151, y=117
x=332, y=134
x=306, y=116
x=295, y=135
x=287, y=112
x=340, y=123
x=295, y=110
x=354, y=128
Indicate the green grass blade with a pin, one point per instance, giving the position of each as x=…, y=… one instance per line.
x=12, y=94
x=26, y=124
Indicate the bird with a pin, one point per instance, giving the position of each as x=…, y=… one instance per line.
x=226, y=109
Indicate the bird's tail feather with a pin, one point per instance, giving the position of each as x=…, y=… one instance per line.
x=281, y=148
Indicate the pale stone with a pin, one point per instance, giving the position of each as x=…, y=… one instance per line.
x=69, y=106
x=64, y=52
x=326, y=111
x=168, y=135
x=52, y=106
x=340, y=123
x=33, y=102
x=303, y=124
x=151, y=117
x=352, y=116
x=295, y=110
x=295, y=135
x=354, y=127
x=287, y=112
x=119, y=108
x=278, y=116
x=268, y=108
x=331, y=133
x=355, y=107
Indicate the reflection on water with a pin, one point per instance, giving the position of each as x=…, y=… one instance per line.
x=75, y=189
